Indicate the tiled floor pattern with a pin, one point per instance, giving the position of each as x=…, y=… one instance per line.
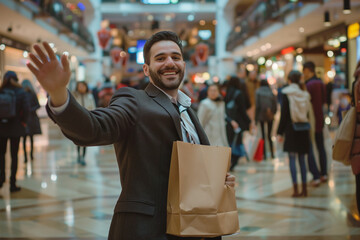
x=63, y=200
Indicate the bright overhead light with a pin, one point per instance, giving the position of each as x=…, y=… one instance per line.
x=2, y=47
x=346, y=8
x=190, y=17
x=150, y=17
x=330, y=54
x=342, y=38
x=261, y=60
x=299, y=58
x=301, y=29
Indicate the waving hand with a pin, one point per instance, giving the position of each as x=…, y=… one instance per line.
x=51, y=74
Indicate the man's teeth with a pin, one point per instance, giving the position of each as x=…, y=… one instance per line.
x=169, y=73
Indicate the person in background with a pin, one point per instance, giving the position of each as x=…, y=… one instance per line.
x=203, y=91
x=12, y=129
x=237, y=119
x=265, y=110
x=355, y=153
x=243, y=87
x=33, y=123
x=85, y=99
x=95, y=92
x=211, y=114
x=252, y=84
x=106, y=92
x=295, y=108
x=344, y=105
x=317, y=91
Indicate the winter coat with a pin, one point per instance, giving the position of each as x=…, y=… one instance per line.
x=266, y=104
x=238, y=113
x=212, y=118
x=15, y=127
x=295, y=141
x=317, y=91
x=33, y=123
x=86, y=100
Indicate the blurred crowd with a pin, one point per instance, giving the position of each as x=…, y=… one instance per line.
x=295, y=111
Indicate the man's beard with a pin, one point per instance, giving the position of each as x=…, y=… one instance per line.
x=174, y=84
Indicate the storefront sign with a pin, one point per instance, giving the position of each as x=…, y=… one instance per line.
x=353, y=30
x=287, y=50
x=13, y=43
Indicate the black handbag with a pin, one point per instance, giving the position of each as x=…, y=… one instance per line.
x=301, y=126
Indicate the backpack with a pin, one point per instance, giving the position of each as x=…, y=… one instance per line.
x=232, y=103
x=7, y=104
x=266, y=108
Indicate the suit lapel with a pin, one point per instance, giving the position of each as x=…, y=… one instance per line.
x=165, y=102
x=200, y=131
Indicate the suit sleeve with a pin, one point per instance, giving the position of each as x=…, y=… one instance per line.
x=101, y=126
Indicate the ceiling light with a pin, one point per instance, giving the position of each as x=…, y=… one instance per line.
x=268, y=63
x=261, y=60
x=190, y=17
x=150, y=17
x=299, y=58
x=202, y=22
x=268, y=45
x=301, y=29
x=342, y=38
x=327, y=22
x=330, y=54
x=347, y=8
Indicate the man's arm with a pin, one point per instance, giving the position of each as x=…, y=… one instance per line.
x=98, y=127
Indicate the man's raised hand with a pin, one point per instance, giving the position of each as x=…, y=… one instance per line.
x=51, y=74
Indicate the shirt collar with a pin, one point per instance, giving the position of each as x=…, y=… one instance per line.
x=182, y=98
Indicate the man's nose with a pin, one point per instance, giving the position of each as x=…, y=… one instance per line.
x=169, y=62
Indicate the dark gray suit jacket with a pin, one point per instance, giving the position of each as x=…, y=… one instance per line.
x=142, y=125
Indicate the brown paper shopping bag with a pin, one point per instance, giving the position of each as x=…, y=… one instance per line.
x=199, y=203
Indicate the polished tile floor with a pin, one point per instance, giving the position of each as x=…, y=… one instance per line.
x=63, y=200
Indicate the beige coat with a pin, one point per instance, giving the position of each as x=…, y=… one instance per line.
x=212, y=118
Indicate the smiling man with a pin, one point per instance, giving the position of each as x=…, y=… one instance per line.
x=141, y=124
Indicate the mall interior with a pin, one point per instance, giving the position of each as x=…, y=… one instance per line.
x=67, y=196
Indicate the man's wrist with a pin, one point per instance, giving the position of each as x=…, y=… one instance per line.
x=59, y=98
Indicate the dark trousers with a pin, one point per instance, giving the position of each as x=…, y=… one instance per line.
x=269, y=129
x=312, y=164
x=14, y=149
x=319, y=139
x=31, y=147
x=169, y=237
x=79, y=150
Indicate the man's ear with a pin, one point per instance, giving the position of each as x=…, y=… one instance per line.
x=146, y=70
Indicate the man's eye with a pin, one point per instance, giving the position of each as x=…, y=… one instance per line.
x=160, y=59
x=176, y=58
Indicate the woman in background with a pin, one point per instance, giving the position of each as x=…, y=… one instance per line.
x=12, y=128
x=211, y=114
x=265, y=110
x=85, y=99
x=33, y=122
x=295, y=109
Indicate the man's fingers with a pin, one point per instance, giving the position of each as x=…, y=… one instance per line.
x=33, y=69
x=65, y=63
x=49, y=51
x=35, y=60
x=40, y=53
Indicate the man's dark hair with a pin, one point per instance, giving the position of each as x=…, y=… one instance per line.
x=157, y=37
x=309, y=65
x=295, y=77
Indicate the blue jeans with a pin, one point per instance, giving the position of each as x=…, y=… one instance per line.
x=292, y=158
x=312, y=164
